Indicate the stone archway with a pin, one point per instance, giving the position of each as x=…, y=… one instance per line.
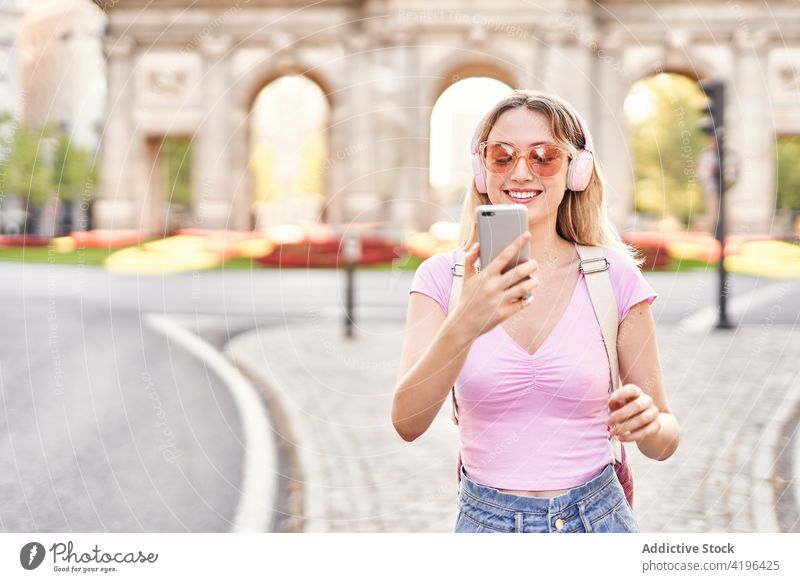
x=455, y=72
x=249, y=83
x=383, y=76
x=454, y=117
x=288, y=151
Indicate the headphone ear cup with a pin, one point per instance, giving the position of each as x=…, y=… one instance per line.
x=579, y=172
x=477, y=173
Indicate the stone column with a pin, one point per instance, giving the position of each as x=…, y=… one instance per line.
x=419, y=104
x=212, y=205
x=396, y=116
x=240, y=179
x=750, y=203
x=610, y=130
x=551, y=62
x=336, y=175
x=115, y=206
x=360, y=197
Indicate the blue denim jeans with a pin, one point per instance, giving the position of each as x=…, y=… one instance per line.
x=597, y=506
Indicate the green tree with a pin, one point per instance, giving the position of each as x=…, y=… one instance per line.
x=178, y=152
x=39, y=163
x=74, y=174
x=25, y=170
x=666, y=145
x=788, y=177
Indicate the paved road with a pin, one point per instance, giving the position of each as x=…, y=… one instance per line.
x=105, y=425
x=731, y=392
x=269, y=296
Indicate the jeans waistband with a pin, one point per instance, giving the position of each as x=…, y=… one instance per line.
x=602, y=484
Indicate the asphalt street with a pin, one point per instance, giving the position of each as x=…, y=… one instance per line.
x=107, y=424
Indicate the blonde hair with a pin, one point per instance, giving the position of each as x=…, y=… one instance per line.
x=582, y=216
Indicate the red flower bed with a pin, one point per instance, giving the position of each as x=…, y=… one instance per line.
x=327, y=254
x=108, y=239
x=652, y=247
x=24, y=240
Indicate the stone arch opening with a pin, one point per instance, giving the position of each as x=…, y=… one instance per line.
x=287, y=137
x=460, y=72
x=444, y=199
x=670, y=152
x=454, y=117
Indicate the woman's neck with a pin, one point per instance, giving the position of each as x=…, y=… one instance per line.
x=547, y=248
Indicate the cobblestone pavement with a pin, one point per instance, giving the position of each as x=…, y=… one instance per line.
x=735, y=393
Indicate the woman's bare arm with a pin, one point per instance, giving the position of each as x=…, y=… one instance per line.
x=436, y=345
x=646, y=416
x=434, y=351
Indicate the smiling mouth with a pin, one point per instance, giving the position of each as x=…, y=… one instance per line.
x=522, y=194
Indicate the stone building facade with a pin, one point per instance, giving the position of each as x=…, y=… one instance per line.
x=63, y=69
x=195, y=72
x=10, y=77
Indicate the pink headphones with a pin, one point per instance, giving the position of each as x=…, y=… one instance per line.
x=579, y=171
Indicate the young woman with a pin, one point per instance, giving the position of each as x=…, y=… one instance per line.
x=525, y=350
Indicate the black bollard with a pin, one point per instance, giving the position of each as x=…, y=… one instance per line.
x=351, y=248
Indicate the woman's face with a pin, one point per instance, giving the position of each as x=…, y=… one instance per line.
x=522, y=128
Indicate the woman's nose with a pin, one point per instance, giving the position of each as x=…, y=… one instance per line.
x=521, y=172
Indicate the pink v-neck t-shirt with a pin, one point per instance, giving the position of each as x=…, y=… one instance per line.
x=537, y=421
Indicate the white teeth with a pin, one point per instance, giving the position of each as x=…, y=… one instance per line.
x=523, y=195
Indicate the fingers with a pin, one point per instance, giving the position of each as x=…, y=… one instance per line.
x=626, y=408
x=634, y=415
x=625, y=394
x=496, y=265
x=521, y=289
x=469, y=260
x=636, y=421
x=637, y=435
x=520, y=272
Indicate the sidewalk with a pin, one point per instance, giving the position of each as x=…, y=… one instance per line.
x=734, y=393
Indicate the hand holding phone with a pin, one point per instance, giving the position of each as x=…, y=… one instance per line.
x=503, y=286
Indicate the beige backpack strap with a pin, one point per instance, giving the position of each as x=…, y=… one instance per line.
x=594, y=267
x=455, y=293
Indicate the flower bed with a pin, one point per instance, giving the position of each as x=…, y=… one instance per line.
x=109, y=239
x=327, y=254
x=23, y=240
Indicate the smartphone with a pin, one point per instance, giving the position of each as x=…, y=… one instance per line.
x=498, y=226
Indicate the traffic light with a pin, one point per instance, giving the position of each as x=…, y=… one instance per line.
x=713, y=119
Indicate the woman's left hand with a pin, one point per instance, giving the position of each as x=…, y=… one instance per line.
x=634, y=415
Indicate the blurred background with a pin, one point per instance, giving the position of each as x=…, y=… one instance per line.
x=142, y=120
x=211, y=211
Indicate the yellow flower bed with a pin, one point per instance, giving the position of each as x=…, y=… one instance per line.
x=768, y=258
x=175, y=254
x=182, y=253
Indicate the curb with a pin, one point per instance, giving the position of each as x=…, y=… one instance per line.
x=258, y=491
x=769, y=489
x=306, y=505
x=783, y=480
